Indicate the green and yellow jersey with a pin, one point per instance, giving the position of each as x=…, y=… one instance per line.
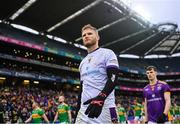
x=121, y=113
x=138, y=109
x=37, y=115
x=63, y=112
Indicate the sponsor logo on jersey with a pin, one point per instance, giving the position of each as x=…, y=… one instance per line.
x=154, y=99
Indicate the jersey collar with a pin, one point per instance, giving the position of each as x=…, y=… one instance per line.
x=93, y=50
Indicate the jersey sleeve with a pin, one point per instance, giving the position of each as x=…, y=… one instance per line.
x=41, y=112
x=166, y=88
x=68, y=108
x=111, y=60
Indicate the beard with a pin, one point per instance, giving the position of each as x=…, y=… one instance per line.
x=90, y=43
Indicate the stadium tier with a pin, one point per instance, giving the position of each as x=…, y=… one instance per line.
x=49, y=69
x=27, y=57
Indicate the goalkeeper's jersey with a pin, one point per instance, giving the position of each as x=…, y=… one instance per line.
x=94, y=76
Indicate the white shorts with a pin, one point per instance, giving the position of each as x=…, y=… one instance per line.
x=138, y=118
x=123, y=122
x=63, y=123
x=107, y=116
x=150, y=122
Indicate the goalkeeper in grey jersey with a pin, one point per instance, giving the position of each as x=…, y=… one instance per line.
x=98, y=72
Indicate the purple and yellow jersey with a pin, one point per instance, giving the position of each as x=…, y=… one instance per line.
x=94, y=76
x=154, y=95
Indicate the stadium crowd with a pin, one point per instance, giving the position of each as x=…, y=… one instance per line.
x=16, y=104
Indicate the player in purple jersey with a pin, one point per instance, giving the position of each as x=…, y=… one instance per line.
x=157, y=98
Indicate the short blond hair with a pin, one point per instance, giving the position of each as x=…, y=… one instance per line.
x=90, y=27
x=148, y=68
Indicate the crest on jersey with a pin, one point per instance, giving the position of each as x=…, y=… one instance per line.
x=153, y=95
x=89, y=59
x=159, y=88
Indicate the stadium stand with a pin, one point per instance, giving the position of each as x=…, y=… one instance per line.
x=38, y=67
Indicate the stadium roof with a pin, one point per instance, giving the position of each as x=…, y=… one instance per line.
x=120, y=28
